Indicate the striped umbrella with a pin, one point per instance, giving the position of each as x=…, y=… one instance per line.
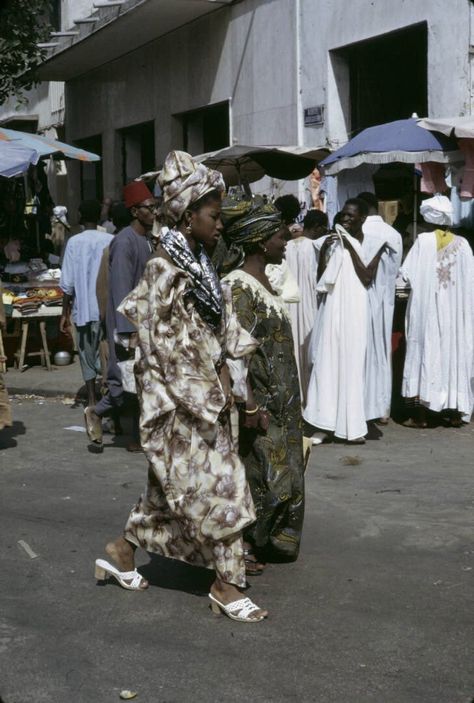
x=15, y=159
x=46, y=146
x=402, y=141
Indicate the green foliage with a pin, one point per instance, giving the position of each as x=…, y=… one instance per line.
x=23, y=23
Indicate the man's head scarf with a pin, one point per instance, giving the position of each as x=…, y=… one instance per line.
x=183, y=181
x=437, y=211
x=246, y=223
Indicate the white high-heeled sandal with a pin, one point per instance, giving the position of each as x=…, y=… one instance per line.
x=131, y=580
x=238, y=610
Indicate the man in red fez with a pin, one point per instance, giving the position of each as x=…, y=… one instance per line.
x=129, y=252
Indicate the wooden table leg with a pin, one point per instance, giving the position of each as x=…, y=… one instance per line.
x=3, y=364
x=42, y=326
x=24, y=335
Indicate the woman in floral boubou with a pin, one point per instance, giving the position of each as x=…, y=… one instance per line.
x=197, y=501
x=271, y=439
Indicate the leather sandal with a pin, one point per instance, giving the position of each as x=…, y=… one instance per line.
x=251, y=565
x=93, y=426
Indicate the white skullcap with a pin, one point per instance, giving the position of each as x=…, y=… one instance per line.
x=437, y=210
x=60, y=212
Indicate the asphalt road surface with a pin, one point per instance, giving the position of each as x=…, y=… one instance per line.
x=378, y=608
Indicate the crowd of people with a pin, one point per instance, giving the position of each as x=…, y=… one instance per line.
x=236, y=337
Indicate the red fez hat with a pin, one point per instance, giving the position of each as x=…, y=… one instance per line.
x=135, y=192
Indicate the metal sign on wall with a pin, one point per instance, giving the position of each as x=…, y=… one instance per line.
x=314, y=116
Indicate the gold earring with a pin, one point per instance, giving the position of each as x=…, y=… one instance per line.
x=265, y=250
x=189, y=229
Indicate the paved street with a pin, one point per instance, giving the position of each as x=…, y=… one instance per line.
x=377, y=609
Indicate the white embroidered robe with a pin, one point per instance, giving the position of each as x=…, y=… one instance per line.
x=439, y=325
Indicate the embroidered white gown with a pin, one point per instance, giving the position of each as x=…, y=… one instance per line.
x=439, y=325
x=335, y=399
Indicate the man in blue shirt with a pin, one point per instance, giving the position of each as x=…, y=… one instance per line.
x=127, y=259
x=78, y=282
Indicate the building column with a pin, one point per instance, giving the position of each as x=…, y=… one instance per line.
x=112, y=164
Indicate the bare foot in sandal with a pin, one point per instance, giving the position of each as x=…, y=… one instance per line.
x=122, y=553
x=252, y=566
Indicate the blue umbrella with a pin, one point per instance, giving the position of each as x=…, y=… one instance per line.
x=46, y=146
x=400, y=141
x=16, y=159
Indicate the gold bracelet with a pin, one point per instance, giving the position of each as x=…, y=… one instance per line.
x=252, y=412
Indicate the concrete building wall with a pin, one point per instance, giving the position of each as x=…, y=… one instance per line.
x=332, y=24
x=227, y=55
x=45, y=102
x=73, y=10
x=269, y=58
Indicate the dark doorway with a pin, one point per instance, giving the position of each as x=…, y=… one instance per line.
x=55, y=14
x=91, y=173
x=138, y=150
x=22, y=125
x=207, y=129
x=388, y=77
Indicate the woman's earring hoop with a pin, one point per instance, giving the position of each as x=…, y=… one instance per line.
x=189, y=229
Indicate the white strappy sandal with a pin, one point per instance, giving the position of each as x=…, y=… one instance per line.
x=238, y=610
x=131, y=580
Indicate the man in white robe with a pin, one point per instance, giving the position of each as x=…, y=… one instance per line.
x=439, y=325
x=302, y=261
x=337, y=348
x=378, y=367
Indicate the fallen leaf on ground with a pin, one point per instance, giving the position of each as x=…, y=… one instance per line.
x=351, y=460
x=127, y=695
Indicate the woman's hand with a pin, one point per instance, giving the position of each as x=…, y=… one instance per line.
x=226, y=384
x=224, y=378
x=250, y=416
x=254, y=418
x=264, y=420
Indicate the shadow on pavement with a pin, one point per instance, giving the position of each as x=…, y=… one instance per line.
x=8, y=434
x=177, y=576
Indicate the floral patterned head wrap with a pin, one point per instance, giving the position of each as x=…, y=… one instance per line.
x=183, y=181
x=247, y=222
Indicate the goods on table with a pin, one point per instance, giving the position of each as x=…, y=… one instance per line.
x=30, y=300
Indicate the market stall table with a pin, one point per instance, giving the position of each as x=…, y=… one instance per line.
x=24, y=302
x=40, y=317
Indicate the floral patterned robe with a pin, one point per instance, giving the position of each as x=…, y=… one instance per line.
x=197, y=500
x=274, y=460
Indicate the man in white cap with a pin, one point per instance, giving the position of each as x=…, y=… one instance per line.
x=438, y=369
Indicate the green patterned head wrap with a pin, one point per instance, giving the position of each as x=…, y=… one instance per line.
x=249, y=221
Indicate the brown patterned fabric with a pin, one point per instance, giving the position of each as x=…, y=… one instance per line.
x=197, y=500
